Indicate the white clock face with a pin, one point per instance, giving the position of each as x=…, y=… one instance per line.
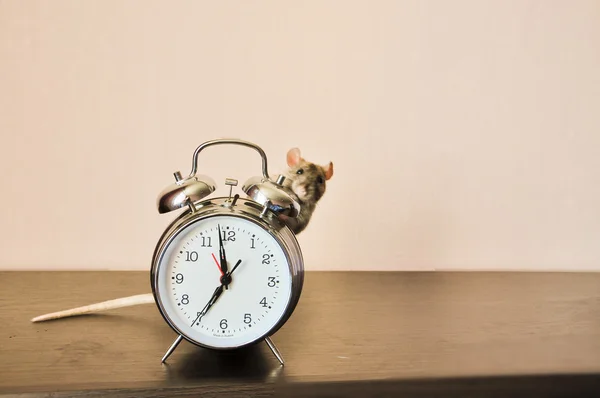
x=190, y=277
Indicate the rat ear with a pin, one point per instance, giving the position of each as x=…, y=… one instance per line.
x=328, y=171
x=293, y=157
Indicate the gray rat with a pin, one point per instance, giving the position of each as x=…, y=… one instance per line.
x=305, y=182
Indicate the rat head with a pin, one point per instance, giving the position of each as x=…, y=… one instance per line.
x=307, y=180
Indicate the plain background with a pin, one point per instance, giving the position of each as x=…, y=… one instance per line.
x=465, y=134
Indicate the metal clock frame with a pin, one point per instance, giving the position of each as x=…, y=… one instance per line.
x=260, y=214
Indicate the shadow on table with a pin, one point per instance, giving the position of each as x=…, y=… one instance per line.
x=245, y=364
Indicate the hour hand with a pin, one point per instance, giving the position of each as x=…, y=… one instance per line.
x=218, y=291
x=215, y=296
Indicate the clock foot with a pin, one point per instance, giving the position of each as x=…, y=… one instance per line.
x=172, y=348
x=274, y=349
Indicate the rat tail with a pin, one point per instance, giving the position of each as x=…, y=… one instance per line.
x=105, y=305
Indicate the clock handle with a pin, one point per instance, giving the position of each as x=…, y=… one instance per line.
x=229, y=141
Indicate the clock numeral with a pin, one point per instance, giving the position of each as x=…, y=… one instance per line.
x=252, y=244
x=266, y=259
x=247, y=318
x=185, y=299
x=263, y=302
x=271, y=281
x=223, y=324
x=228, y=235
x=179, y=278
x=206, y=241
x=191, y=256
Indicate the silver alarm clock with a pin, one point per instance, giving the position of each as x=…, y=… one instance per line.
x=227, y=272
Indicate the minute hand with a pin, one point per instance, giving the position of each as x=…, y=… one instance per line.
x=222, y=253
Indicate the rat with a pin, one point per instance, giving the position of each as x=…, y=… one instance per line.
x=304, y=181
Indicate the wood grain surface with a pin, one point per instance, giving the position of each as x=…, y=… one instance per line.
x=352, y=334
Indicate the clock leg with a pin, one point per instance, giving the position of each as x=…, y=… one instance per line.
x=172, y=348
x=274, y=349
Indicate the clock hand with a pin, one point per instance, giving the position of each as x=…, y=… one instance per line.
x=217, y=262
x=235, y=266
x=222, y=252
x=213, y=299
x=226, y=279
x=222, y=255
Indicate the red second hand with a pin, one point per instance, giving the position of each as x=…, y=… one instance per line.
x=214, y=258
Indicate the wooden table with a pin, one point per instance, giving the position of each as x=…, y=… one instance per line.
x=353, y=334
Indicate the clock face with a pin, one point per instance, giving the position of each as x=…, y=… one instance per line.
x=199, y=300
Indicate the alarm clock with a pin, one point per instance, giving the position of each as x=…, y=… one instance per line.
x=227, y=272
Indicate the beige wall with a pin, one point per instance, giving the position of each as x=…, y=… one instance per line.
x=465, y=134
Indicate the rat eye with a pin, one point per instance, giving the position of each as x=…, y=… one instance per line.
x=320, y=180
x=300, y=171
